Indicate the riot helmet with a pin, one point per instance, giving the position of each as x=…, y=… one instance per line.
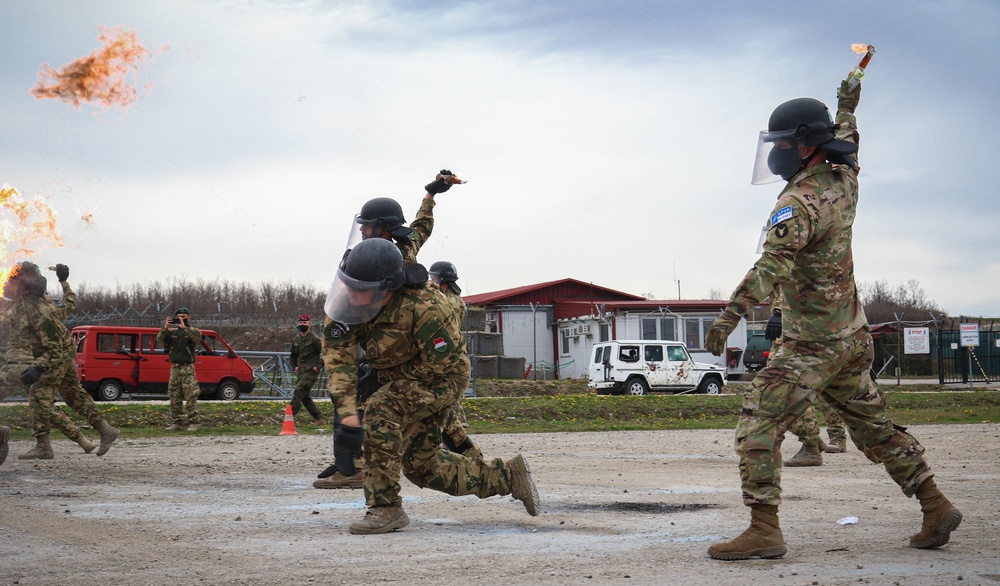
x=367, y=273
x=444, y=273
x=25, y=279
x=382, y=214
x=795, y=123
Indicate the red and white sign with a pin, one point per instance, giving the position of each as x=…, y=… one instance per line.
x=917, y=341
x=969, y=334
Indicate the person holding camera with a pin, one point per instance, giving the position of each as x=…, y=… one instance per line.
x=178, y=339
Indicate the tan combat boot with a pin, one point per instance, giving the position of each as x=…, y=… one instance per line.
x=108, y=436
x=806, y=456
x=522, y=487
x=338, y=480
x=41, y=451
x=940, y=517
x=837, y=446
x=83, y=442
x=4, y=442
x=762, y=539
x=380, y=520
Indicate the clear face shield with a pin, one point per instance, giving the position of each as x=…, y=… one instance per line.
x=352, y=301
x=777, y=157
x=358, y=232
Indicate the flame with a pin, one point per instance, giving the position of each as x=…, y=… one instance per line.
x=23, y=226
x=100, y=78
x=859, y=48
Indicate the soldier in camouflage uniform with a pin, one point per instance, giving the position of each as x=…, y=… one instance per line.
x=382, y=217
x=306, y=358
x=40, y=354
x=178, y=338
x=413, y=342
x=827, y=348
x=445, y=276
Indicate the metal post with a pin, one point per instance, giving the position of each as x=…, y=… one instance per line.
x=899, y=350
x=534, y=341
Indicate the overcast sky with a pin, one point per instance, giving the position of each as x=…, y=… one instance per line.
x=610, y=142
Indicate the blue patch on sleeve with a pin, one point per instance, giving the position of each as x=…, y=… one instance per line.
x=781, y=215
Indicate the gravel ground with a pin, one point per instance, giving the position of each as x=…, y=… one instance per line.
x=620, y=507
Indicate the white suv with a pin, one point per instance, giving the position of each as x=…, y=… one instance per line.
x=636, y=367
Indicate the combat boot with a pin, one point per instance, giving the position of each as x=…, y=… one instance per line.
x=338, y=480
x=175, y=427
x=380, y=520
x=762, y=539
x=108, y=436
x=940, y=517
x=4, y=442
x=522, y=487
x=41, y=451
x=193, y=427
x=83, y=442
x=806, y=456
x=837, y=446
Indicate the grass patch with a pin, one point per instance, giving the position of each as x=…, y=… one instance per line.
x=541, y=412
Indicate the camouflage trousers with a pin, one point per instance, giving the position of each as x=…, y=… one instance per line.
x=807, y=426
x=795, y=376
x=42, y=398
x=10, y=378
x=303, y=392
x=183, y=388
x=403, y=422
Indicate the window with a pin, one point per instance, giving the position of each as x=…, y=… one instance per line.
x=127, y=342
x=148, y=343
x=653, y=353
x=667, y=329
x=694, y=331
x=105, y=342
x=648, y=327
x=628, y=354
x=598, y=353
x=605, y=334
x=677, y=353
x=79, y=344
x=565, y=341
x=213, y=346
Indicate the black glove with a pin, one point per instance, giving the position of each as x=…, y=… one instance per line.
x=347, y=444
x=440, y=185
x=772, y=331
x=62, y=272
x=367, y=382
x=30, y=375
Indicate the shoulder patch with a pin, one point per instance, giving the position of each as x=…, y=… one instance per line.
x=335, y=330
x=781, y=230
x=781, y=215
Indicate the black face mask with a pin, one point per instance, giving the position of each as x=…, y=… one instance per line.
x=303, y=328
x=784, y=163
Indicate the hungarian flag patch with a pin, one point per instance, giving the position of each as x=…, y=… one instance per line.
x=440, y=345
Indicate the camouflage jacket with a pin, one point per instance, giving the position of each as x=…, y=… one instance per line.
x=457, y=304
x=422, y=226
x=807, y=252
x=180, y=343
x=416, y=336
x=307, y=351
x=38, y=335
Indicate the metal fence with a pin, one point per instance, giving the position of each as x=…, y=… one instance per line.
x=275, y=377
x=951, y=362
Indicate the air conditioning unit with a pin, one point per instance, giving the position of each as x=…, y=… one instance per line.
x=491, y=317
x=584, y=330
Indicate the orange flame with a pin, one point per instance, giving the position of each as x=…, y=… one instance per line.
x=859, y=48
x=23, y=224
x=99, y=78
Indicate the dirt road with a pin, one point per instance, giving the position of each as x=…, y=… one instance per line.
x=620, y=508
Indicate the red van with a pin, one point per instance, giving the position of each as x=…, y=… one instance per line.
x=111, y=360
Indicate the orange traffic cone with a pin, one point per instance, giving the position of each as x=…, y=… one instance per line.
x=288, y=427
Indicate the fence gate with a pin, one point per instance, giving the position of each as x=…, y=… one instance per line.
x=954, y=362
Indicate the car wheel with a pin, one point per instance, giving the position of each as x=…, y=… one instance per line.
x=710, y=386
x=228, y=391
x=637, y=386
x=109, y=390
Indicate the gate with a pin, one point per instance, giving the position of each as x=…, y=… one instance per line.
x=954, y=362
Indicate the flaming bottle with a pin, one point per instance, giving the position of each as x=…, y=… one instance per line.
x=859, y=71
